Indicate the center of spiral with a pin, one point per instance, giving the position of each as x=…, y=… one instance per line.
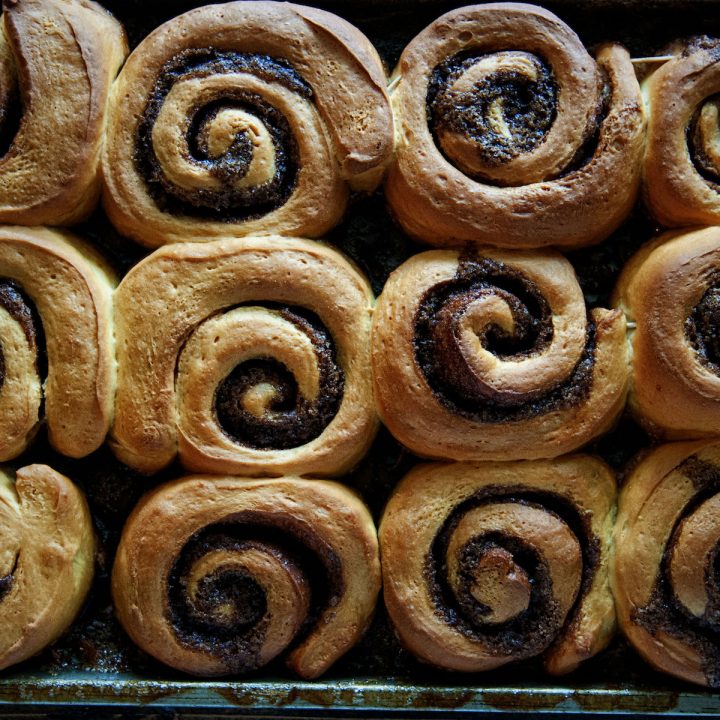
x=210, y=144
x=500, y=585
x=239, y=148
x=270, y=403
x=486, y=110
x=491, y=348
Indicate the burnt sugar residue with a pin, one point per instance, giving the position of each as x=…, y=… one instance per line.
x=22, y=310
x=702, y=327
x=528, y=106
x=287, y=419
x=228, y=617
x=440, y=359
x=539, y=624
x=663, y=612
x=229, y=202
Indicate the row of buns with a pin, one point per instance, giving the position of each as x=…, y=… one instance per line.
x=496, y=127
x=483, y=564
x=270, y=355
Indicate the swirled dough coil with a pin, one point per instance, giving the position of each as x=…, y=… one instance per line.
x=509, y=133
x=665, y=578
x=247, y=356
x=492, y=355
x=58, y=59
x=485, y=564
x=47, y=549
x=245, y=118
x=218, y=575
x=681, y=173
x=55, y=309
x=670, y=291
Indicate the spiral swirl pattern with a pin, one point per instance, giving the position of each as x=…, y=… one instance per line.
x=665, y=578
x=669, y=289
x=250, y=117
x=249, y=374
x=487, y=564
x=58, y=59
x=51, y=281
x=511, y=134
x=492, y=356
x=247, y=570
x=47, y=549
x=682, y=157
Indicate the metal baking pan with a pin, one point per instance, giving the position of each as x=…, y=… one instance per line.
x=95, y=671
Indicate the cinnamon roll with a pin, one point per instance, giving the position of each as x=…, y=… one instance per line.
x=491, y=355
x=244, y=356
x=670, y=291
x=219, y=575
x=491, y=563
x=681, y=176
x=58, y=59
x=509, y=133
x=57, y=359
x=47, y=549
x=666, y=563
x=245, y=118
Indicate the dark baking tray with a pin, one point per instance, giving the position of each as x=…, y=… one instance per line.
x=94, y=671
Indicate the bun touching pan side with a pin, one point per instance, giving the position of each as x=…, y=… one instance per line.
x=63, y=55
x=47, y=556
x=485, y=564
x=669, y=289
x=218, y=575
x=665, y=574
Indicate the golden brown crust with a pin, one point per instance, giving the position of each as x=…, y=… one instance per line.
x=667, y=291
x=179, y=309
x=666, y=540
x=71, y=290
x=47, y=549
x=681, y=167
x=333, y=100
x=169, y=595
x=489, y=356
x=528, y=541
x=511, y=195
x=65, y=54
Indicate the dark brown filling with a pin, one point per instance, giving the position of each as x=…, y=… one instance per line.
x=663, y=612
x=229, y=203
x=534, y=629
x=237, y=638
x=529, y=107
x=22, y=310
x=529, y=110
x=703, y=163
x=6, y=582
x=702, y=327
x=291, y=420
x=439, y=357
